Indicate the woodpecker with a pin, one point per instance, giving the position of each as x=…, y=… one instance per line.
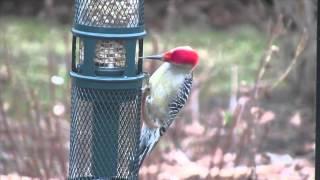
x=165, y=94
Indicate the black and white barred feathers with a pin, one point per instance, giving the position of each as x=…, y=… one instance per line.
x=177, y=103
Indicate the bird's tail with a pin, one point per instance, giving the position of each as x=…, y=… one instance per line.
x=148, y=140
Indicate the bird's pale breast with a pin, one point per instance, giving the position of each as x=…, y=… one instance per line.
x=164, y=86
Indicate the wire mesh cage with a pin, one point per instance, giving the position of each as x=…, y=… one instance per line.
x=109, y=22
x=109, y=13
x=106, y=89
x=110, y=54
x=99, y=137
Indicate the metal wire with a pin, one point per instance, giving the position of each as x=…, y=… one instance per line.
x=105, y=125
x=110, y=54
x=105, y=132
x=109, y=13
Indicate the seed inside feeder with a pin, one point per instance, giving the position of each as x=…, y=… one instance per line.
x=120, y=13
x=110, y=54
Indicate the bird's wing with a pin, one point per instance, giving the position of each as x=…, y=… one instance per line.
x=151, y=136
x=180, y=100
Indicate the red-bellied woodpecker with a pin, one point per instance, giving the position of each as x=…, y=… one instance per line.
x=166, y=93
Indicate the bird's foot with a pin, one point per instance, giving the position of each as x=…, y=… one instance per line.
x=146, y=87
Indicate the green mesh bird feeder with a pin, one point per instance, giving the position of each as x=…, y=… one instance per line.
x=106, y=89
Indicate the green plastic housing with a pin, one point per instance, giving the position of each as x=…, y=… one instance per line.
x=106, y=102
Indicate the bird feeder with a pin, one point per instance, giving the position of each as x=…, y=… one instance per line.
x=106, y=89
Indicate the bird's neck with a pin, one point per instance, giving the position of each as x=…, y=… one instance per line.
x=179, y=67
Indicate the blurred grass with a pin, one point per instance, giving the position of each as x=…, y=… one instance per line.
x=29, y=41
x=26, y=44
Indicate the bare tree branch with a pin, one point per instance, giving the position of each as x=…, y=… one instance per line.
x=299, y=49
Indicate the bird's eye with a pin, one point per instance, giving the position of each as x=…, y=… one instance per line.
x=162, y=131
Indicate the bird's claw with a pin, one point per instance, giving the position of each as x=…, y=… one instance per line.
x=147, y=77
x=146, y=90
x=146, y=87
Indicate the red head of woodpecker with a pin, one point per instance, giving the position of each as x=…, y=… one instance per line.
x=184, y=55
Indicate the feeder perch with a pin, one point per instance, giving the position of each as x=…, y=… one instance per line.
x=106, y=89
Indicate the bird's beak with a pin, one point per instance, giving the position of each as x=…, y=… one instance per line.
x=154, y=57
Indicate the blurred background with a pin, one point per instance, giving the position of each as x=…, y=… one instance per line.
x=250, y=115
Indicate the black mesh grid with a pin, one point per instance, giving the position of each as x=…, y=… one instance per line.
x=105, y=132
x=109, y=13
